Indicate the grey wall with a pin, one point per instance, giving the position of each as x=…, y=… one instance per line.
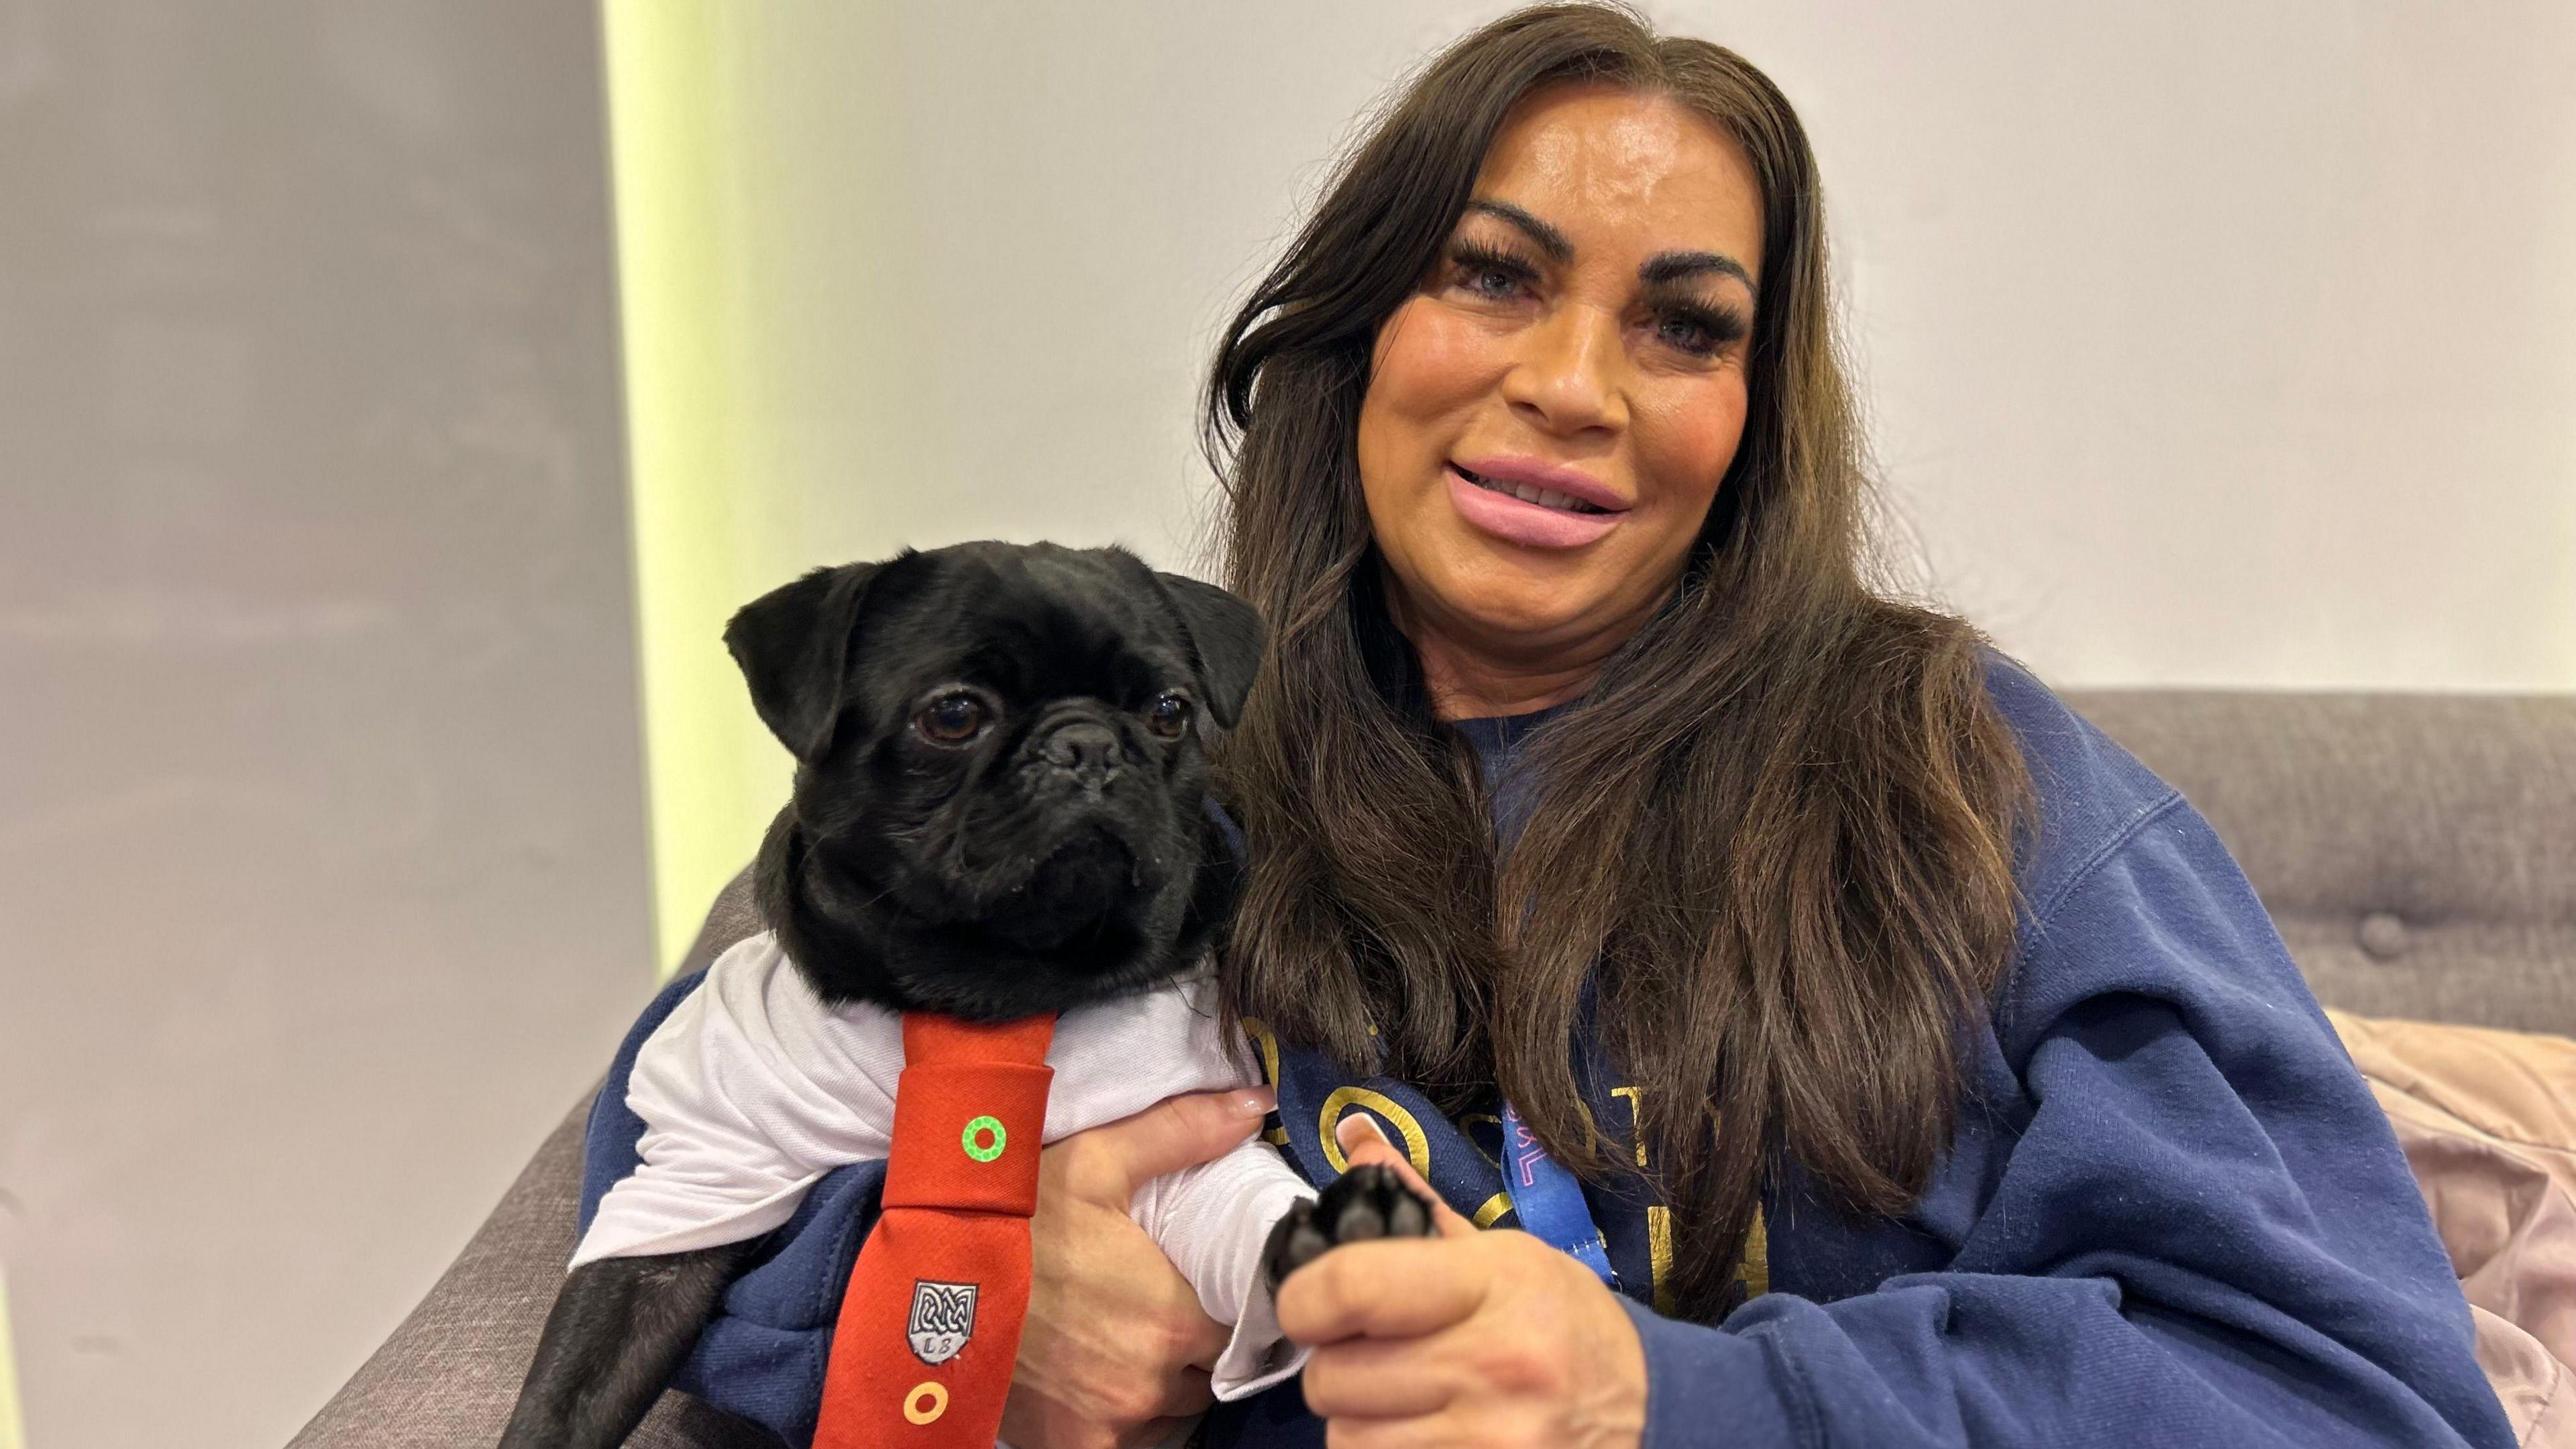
x=322, y=873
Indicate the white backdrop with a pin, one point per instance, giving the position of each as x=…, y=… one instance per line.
x=2205, y=343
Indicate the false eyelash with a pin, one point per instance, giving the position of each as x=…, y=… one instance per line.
x=1471, y=258
x=1724, y=326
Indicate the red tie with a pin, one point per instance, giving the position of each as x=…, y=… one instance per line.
x=930, y=1324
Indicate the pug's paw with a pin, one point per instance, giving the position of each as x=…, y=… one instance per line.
x=1368, y=1201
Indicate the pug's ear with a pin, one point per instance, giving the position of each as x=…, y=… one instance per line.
x=793, y=644
x=1225, y=633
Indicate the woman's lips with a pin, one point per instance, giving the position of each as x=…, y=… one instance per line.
x=1486, y=506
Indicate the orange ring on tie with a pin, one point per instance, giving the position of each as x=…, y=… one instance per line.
x=931, y=1389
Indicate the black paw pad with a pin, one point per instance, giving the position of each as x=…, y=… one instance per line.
x=1366, y=1202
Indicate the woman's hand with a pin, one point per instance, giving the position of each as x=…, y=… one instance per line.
x=1462, y=1338
x=1115, y=1350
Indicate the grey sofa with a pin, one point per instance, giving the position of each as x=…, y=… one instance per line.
x=2417, y=851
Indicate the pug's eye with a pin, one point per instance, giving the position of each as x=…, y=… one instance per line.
x=952, y=719
x=1169, y=716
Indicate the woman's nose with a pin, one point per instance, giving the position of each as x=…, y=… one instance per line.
x=1568, y=377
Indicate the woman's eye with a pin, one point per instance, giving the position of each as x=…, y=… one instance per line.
x=1169, y=716
x=952, y=719
x=1489, y=275
x=1698, y=332
x=1685, y=333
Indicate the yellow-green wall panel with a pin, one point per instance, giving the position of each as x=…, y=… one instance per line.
x=712, y=774
x=13, y=1422
x=767, y=285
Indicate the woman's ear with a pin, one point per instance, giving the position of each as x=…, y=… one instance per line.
x=793, y=644
x=1225, y=633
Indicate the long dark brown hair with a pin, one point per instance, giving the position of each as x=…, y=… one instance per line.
x=1775, y=835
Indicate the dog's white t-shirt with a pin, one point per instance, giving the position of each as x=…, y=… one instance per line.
x=753, y=1088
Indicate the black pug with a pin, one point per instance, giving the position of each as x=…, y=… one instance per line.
x=999, y=810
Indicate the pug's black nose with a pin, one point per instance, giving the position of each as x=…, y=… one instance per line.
x=1089, y=752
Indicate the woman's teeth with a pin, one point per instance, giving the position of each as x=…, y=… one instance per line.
x=1528, y=493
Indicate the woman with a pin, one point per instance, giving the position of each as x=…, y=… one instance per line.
x=1890, y=987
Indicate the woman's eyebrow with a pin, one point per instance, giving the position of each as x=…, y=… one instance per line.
x=1546, y=238
x=1667, y=267
x=1658, y=270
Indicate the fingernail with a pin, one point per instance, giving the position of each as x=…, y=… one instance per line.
x=1357, y=1124
x=1252, y=1102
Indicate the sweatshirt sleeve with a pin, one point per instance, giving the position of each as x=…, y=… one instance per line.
x=2195, y=1227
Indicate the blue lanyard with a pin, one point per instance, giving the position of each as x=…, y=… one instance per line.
x=1548, y=1200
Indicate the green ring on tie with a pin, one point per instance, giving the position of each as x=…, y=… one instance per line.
x=981, y=1126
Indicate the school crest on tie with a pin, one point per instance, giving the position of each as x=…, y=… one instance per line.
x=943, y=1318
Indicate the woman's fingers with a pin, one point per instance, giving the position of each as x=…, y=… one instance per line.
x=1386, y=1288
x=1114, y=1345
x=1367, y=1378
x=1110, y=1338
x=1362, y=1141
x=1108, y=1163
x=1350, y=1433
x=1482, y=1338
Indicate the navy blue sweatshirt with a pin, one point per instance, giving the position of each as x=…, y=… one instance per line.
x=2172, y=1214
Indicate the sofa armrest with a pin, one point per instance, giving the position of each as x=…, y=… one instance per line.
x=449, y=1375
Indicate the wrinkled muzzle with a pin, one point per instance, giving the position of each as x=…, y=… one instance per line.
x=1070, y=830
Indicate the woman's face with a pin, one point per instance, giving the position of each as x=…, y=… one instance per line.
x=1547, y=419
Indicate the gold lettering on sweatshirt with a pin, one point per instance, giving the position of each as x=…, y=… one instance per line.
x=1636, y=1124
x=1417, y=1146
x=1267, y=1043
